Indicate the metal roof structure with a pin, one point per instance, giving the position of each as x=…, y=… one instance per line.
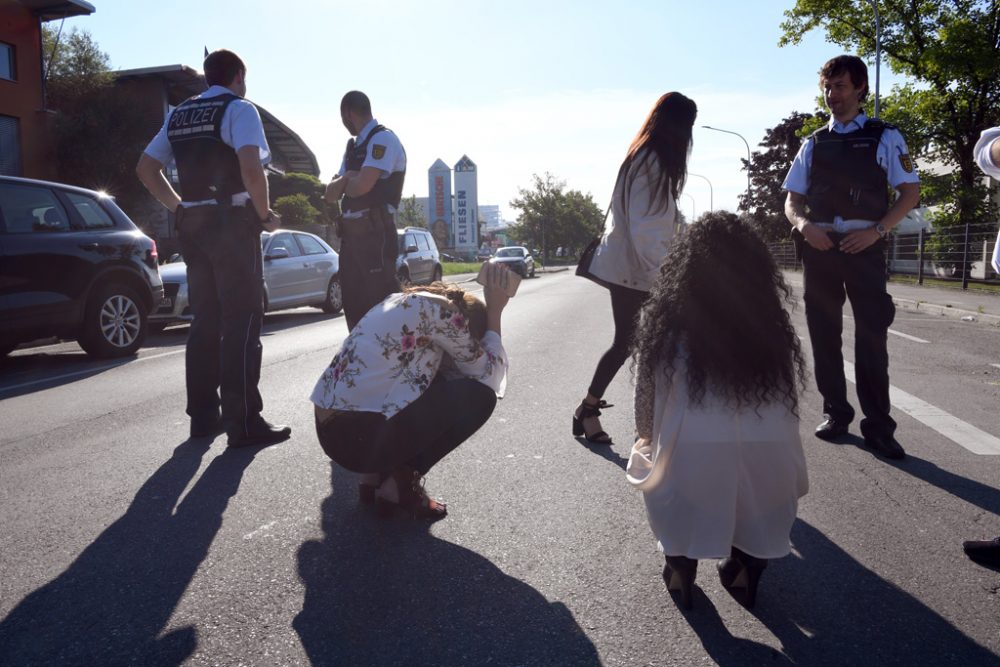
x=182, y=82
x=51, y=10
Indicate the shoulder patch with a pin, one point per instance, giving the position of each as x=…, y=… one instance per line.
x=378, y=151
x=906, y=162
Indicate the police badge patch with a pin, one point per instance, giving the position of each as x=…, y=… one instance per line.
x=906, y=162
x=378, y=151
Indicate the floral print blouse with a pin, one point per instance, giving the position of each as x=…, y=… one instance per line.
x=396, y=350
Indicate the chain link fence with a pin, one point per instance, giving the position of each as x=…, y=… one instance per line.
x=957, y=257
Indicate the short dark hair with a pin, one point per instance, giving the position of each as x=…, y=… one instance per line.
x=222, y=66
x=357, y=102
x=854, y=66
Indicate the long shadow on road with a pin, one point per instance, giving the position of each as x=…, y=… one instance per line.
x=388, y=592
x=110, y=606
x=826, y=608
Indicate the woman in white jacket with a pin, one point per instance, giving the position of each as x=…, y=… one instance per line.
x=637, y=237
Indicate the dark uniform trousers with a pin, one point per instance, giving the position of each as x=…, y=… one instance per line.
x=222, y=251
x=368, y=251
x=829, y=275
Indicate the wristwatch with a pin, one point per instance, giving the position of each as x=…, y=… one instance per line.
x=882, y=231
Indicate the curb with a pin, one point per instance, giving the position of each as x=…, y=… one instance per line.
x=946, y=311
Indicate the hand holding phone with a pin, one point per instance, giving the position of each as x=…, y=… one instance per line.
x=500, y=277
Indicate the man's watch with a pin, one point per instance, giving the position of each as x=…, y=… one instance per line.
x=882, y=231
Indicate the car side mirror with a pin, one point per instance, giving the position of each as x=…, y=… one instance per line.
x=411, y=248
x=277, y=253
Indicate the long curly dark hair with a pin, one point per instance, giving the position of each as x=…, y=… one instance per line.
x=666, y=137
x=720, y=302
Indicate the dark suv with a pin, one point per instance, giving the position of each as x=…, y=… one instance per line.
x=72, y=265
x=419, y=261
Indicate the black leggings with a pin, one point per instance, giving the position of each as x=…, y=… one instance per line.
x=625, y=306
x=418, y=436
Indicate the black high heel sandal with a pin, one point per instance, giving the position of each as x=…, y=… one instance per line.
x=679, y=573
x=741, y=570
x=587, y=410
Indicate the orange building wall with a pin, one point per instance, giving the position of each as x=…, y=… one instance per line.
x=23, y=98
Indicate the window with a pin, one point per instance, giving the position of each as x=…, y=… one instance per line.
x=284, y=241
x=94, y=216
x=310, y=246
x=10, y=146
x=422, y=242
x=410, y=241
x=28, y=209
x=8, y=70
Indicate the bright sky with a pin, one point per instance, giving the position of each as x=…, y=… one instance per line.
x=520, y=87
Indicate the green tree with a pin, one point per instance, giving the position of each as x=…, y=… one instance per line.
x=768, y=167
x=98, y=135
x=410, y=214
x=950, y=50
x=551, y=216
x=307, y=186
x=296, y=211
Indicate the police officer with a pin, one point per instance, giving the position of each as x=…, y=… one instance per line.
x=838, y=201
x=217, y=141
x=369, y=186
x=987, y=156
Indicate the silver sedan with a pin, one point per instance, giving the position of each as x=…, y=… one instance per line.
x=300, y=269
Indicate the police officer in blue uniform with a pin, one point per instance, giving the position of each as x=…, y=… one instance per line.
x=369, y=187
x=217, y=141
x=838, y=203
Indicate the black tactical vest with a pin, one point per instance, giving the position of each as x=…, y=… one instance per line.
x=207, y=167
x=845, y=177
x=386, y=190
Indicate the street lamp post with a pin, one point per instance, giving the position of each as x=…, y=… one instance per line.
x=878, y=52
x=709, y=127
x=711, y=195
x=693, y=211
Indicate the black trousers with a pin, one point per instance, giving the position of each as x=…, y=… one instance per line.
x=625, y=306
x=831, y=275
x=418, y=436
x=368, y=252
x=225, y=281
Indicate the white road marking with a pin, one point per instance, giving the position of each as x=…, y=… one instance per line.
x=95, y=369
x=250, y=535
x=995, y=365
x=951, y=427
x=908, y=336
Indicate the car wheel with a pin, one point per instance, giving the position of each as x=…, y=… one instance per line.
x=438, y=274
x=532, y=271
x=334, y=297
x=114, y=324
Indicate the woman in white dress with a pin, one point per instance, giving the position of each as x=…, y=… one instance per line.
x=718, y=455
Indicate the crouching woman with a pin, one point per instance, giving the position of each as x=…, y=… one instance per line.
x=417, y=376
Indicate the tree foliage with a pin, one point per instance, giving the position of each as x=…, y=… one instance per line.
x=950, y=49
x=766, y=203
x=551, y=216
x=98, y=135
x=410, y=214
x=296, y=211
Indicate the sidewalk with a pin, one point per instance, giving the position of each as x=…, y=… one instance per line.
x=961, y=304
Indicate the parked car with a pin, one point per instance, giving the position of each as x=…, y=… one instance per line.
x=419, y=261
x=517, y=258
x=72, y=265
x=300, y=269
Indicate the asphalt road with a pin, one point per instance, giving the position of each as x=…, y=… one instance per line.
x=124, y=543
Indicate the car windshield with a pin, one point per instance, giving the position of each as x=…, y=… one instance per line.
x=510, y=252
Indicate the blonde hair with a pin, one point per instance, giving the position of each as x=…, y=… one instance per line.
x=471, y=308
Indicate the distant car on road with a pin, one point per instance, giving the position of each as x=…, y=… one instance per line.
x=300, y=269
x=517, y=258
x=72, y=265
x=419, y=262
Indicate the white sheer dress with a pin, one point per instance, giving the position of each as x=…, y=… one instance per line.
x=714, y=476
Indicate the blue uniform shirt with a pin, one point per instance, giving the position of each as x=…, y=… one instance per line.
x=892, y=156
